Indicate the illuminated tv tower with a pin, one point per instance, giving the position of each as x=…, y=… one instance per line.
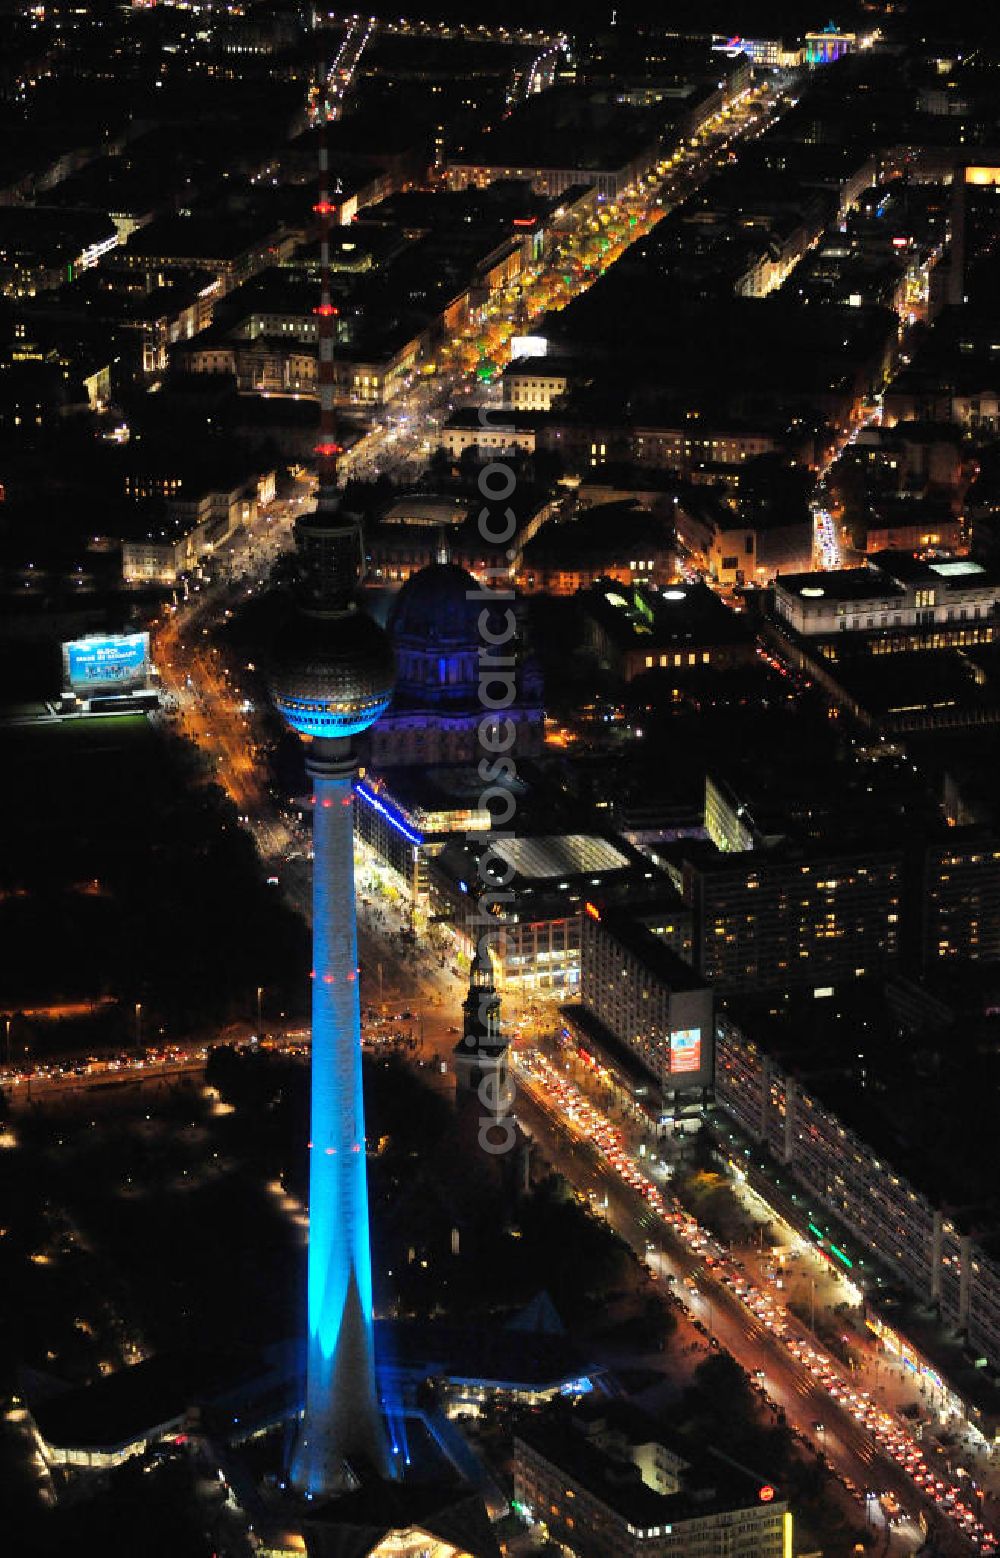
x=332, y=675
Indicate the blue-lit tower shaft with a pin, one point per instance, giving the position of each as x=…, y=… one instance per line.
x=332, y=675
x=341, y=1409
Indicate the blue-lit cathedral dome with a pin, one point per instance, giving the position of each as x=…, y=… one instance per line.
x=435, y=628
x=437, y=633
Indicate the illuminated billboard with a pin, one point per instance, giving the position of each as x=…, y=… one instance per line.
x=112, y=662
x=528, y=346
x=685, y=1050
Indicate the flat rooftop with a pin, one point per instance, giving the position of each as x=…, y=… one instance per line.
x=350, y=1523
x=918, y=681
x=494, y=1355
x=597, y=535
x=890, y=574
x=681, y=615
x=960, y=572
x=729, y=352
x=423, y=791
x=128, y=1404
x=553, y=874
x=197, y=237
x=924, y=1101
x=716, y=1485
x=810, y=791
x=560, y=855
x=567, y=127
x=425, y=509
x=840, y=584
x=631, y=933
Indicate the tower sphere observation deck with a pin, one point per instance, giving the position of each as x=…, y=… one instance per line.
x=332, y=668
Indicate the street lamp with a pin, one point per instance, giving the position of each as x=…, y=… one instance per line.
x=260, y=993
x=138, y=1024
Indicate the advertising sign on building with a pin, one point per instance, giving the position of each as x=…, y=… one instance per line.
x=112, y=662
x=528, y=346
x=685, y=1050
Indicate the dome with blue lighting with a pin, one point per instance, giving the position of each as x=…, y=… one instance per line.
x=439, y=604
x=435, y=627
x=441, y=623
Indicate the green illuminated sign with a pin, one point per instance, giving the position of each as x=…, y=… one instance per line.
x=820, y=1238
x=642, y=606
